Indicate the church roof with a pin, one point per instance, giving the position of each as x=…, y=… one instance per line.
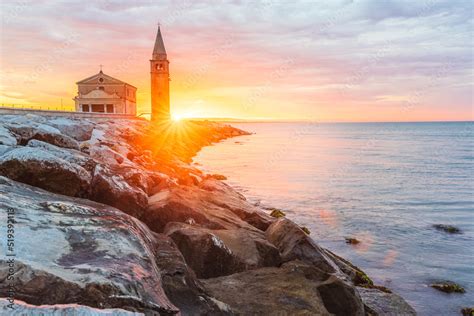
x=159, y=51
x=106, y=80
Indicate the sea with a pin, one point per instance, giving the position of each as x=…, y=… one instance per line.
x=385, y=184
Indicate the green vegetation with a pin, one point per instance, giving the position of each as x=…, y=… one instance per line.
x=305, y=229
x=218, y=176
x=448, y=287
x=447, y=228
x=277, y=213
x=352, y=241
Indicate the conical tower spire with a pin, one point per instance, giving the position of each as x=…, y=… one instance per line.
x=159, y=51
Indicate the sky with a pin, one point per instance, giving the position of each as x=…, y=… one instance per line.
x=339, y=60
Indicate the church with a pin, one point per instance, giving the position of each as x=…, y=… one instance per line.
x=102, y=93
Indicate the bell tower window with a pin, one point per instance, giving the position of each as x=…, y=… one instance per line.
x=159, y=66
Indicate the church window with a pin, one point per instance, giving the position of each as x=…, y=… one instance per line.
x=98, y=108
x=110, y=108
x=101, y=79
x=85, y=108
x=101, y=88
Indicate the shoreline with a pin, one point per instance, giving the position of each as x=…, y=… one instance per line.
x=201, y=241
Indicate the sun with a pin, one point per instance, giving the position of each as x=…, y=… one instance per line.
x=176, y=117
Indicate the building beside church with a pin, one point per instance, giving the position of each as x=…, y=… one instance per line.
x=102, y=93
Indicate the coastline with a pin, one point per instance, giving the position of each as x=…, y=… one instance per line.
x=188, y=241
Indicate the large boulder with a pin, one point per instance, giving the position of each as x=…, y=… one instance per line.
x=382, y=303
x=294, y=243
x=207, y=208
x=38, y=167
x=212, y=253
x=80, y=130
x=225, y=196
x=70, y=155
x=180, y=283
x=43, y=132
x=296, y=288
x=106, y=155
x=112, y=189
x=73, y=251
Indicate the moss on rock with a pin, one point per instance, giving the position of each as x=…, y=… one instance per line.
x=448, y=287
x=277, y=213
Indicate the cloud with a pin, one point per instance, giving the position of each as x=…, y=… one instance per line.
x=369, y=48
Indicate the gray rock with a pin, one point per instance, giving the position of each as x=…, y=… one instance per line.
x=4, y=149
x=38, y=167
x=112, y=189
x=181, y=286
x=294, y=243
x=7, y=138
x=42, y=132
x=80, y=130
x=70, y=155
x=382, y=303
x=296, y=288
x=22, y=308
x=70, y=250
x=204, y=251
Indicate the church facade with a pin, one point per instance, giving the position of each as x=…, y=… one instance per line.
x=102, y=93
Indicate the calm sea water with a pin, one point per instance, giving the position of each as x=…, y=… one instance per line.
x=384, y=183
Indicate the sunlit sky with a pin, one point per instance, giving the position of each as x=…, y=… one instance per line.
x=336, y=60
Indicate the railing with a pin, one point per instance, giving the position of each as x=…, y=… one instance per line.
x=63, y=113
x=38, y=107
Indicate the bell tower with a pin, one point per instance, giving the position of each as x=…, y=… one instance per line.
x=160, y=81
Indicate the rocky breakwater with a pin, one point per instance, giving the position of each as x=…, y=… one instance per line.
x=110, y=216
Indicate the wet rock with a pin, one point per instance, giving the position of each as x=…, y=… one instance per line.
x=357, y=276
x=221, y=194
x=351, y=241
x=448, y=287
x=208, y=208
x=467, y=311
x=294, y=243
x=381, y=303
x=276, y=213
x=447, y=228
x=180, y=283
x=307, y=291
x=212, y=253
x=6, y=138
x=80, y=130
x=38, y=167
x=73, y=251
x=217, y=176
x=110, y=188
x=306, y=230
x=22, y=308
